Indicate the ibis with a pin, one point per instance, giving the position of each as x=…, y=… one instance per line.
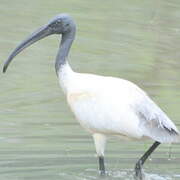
x=103, y=105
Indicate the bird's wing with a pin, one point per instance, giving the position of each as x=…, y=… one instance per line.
x=154, y=122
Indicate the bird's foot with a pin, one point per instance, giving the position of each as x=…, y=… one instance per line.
x=139, y=175
x=102, y=172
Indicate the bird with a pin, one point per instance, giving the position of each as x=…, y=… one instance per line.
x=104, y=105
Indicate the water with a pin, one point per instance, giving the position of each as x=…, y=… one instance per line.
x=135, y=40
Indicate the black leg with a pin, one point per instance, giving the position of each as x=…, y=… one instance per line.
x=101, y=165
x=141, y=161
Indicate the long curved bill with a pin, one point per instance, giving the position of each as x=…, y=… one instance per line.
x=37, y=35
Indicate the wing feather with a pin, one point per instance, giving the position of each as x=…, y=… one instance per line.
x=155, y=123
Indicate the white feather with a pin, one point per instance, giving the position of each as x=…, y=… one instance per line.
x=113, y=106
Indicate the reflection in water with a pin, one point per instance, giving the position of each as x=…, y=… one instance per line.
x=135, y=40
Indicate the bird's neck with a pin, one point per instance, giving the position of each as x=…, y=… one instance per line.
x=65, y=45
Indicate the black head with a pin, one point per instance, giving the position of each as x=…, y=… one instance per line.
x=60, y=24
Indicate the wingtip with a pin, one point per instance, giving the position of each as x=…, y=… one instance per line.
x=176, y=139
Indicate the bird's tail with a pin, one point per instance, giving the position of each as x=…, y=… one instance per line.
x=165, y=135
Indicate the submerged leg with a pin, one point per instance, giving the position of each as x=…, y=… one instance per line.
x=101, y=165
x=141, y=161
x=100, y=142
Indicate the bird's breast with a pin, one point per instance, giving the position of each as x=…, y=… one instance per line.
x=79, y=96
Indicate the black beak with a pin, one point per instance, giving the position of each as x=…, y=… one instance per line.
x=37, y=35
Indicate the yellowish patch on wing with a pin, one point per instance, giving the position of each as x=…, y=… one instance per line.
x=74, y=97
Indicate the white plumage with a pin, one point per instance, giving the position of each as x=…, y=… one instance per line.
x=113, y=106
